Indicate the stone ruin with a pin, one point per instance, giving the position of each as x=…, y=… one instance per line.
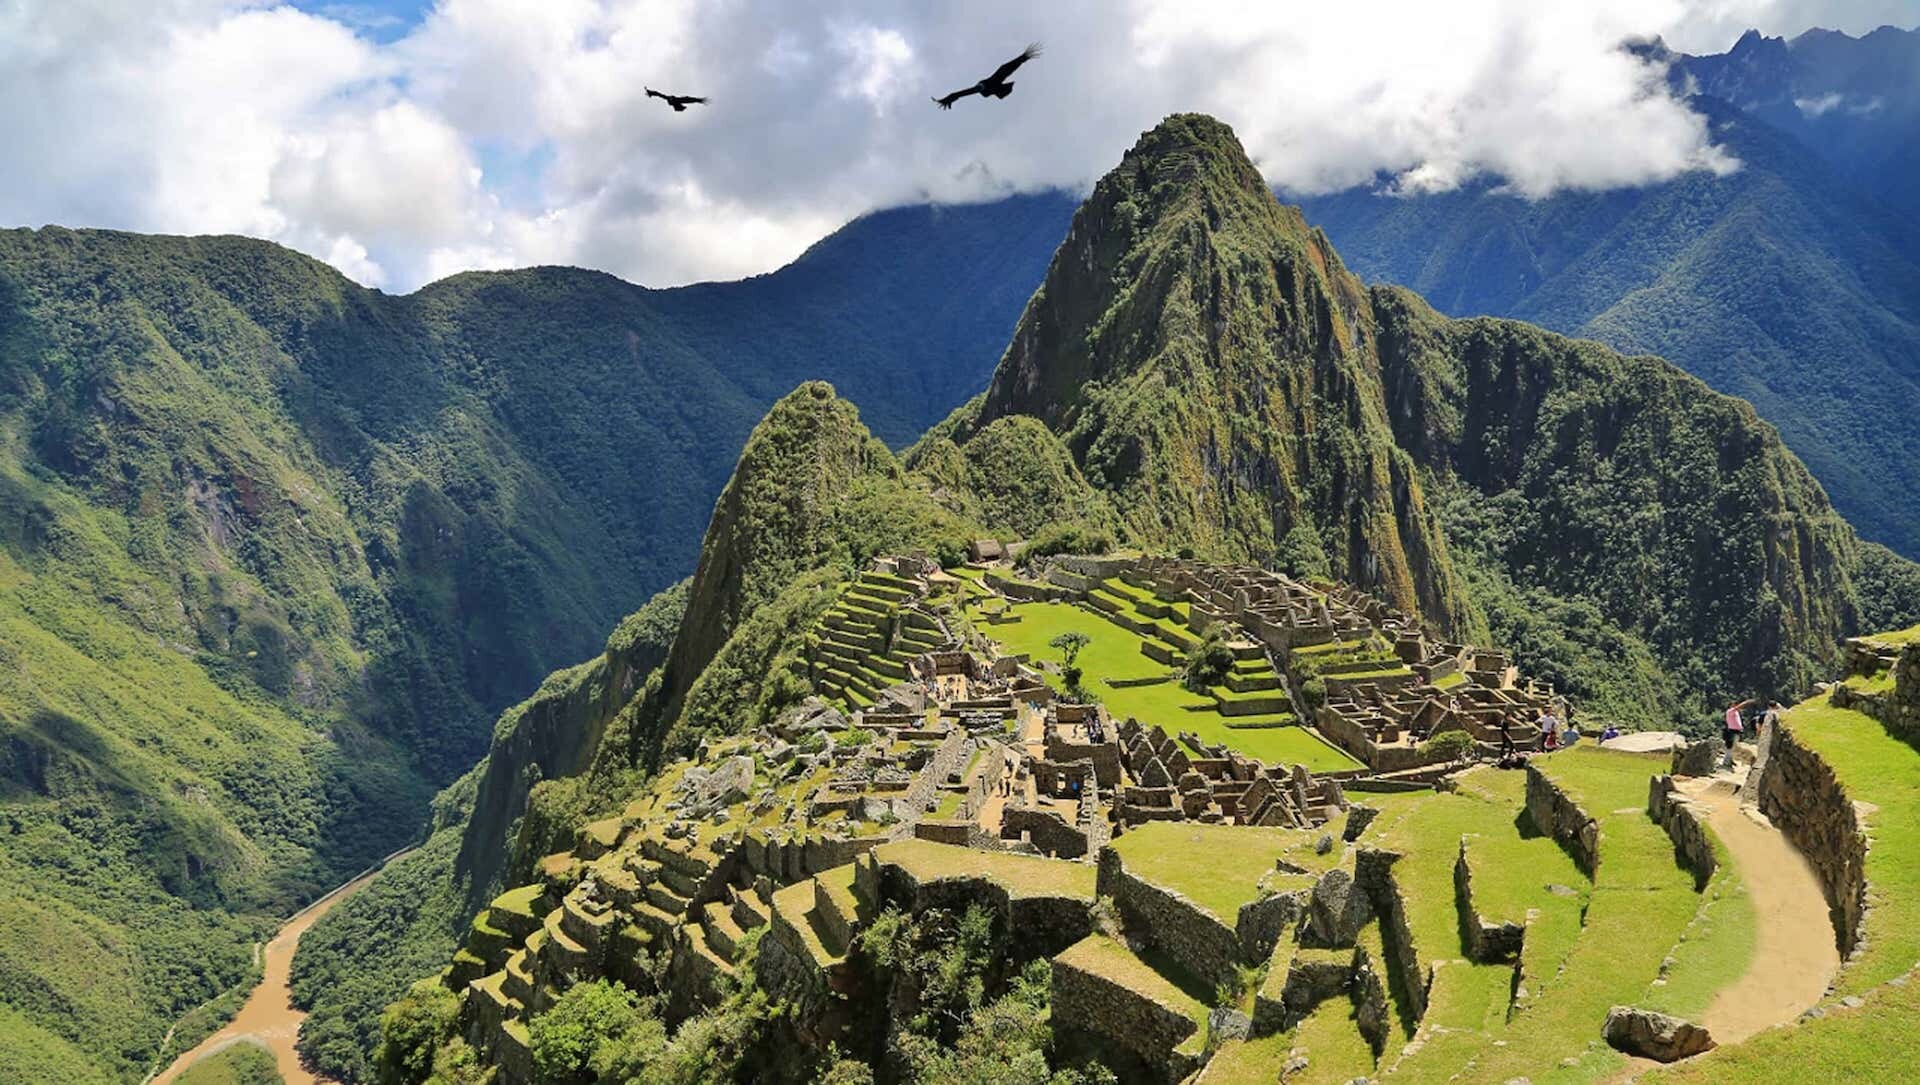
x=1223, y=786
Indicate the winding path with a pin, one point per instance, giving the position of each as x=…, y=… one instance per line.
x=1793, y=955
x=268, y=1017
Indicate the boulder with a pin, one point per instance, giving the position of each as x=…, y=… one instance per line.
x=1225, y=1023
x=1701, y=758
x=1653, y=1035
x=1338, y=909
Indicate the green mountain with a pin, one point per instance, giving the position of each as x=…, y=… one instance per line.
x=277, y=548
x=1215, y=370
x=1199, y=372
x=1781, y=283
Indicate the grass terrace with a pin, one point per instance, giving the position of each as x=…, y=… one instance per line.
x=1897, y=639
x=1590, y=945
x=1218, y=867
x=1114, y=653
x=1875, y=1041
x=1020, y=875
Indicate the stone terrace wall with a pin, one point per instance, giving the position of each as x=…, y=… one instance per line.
x=1558, y=816
x=1677, y=815
x=1202, y=944
x=1373, y=872
x=1036, y=926
x=1487, y=941
x=1899, y=708
x=1152, y=1033
x=1799, y=792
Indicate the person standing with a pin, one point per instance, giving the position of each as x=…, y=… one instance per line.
x=1733, y=726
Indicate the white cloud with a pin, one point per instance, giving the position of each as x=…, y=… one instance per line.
x=506, y=132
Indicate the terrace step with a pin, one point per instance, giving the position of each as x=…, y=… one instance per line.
x=723, y=934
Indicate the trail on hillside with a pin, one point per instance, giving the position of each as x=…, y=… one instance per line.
x=1794, y=957
x=269, y=1017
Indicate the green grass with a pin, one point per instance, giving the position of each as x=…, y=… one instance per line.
x=1021, y=875
x=1898, y=637
x=1216, y=866
x=1249, y=1062
x=1331, y=1040
x=1113, y=652
x=242, y=1063
x=1876, y=1042
x=1876, y=768
x=1634, y=913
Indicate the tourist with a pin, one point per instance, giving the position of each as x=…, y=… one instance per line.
x=1549, y=730
x=1572, y=735
x=1771, y=717
x=1612, y=732
x=1731, y=731
x=1506, y=737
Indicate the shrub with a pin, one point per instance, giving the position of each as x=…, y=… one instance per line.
x=1209, y=663
x=1452, y=745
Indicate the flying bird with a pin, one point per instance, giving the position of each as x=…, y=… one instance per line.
x=996, y=85
x=679, y=102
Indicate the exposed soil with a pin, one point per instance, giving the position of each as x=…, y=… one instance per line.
x=1794, y=957
x=269, y=1018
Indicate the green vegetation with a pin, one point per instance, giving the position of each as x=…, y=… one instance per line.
x=1113, y=653
x=240, y=1063
x=1218, y=867
x=365, y=952
x=1774, y=283
x=1876, y=768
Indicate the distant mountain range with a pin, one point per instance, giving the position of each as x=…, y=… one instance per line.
x=1793, y=283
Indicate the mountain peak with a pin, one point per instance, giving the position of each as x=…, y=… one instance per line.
x=1204, y=356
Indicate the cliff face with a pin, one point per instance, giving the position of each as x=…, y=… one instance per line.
x=1626, y=482
x=1211, y=365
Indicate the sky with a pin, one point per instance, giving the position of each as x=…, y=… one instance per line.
x=405, y=140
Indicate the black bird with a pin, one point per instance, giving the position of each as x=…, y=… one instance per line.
x=996, y=85
x=679, y=102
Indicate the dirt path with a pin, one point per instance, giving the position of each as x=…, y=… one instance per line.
x=1793, y=955
x=268, y=1017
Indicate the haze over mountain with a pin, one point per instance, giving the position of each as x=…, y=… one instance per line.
x=1793, y=283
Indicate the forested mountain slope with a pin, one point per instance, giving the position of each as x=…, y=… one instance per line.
x=279, y=548
x=1782, y=283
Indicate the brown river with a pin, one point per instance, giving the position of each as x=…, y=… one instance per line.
x=268, y=1017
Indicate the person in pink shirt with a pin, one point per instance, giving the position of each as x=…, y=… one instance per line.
x=1734, y=727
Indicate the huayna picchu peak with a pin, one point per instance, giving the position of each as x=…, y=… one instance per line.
x=1264, y=678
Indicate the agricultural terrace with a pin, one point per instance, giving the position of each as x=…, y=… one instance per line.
x=1113, y=654
x=1571, y=970
x=1218, y=867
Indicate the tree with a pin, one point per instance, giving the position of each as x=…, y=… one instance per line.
x=412, y=1029
x=1069, y=645
x=1208, y=665
x=566, y=1038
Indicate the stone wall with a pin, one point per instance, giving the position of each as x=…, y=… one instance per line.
x=1683, y=823
x=1799, y=792
x=1898, y=708
x=1199, y=941
x=1036, y=926
x=1088, y=1003
x=1047, y=831
x=1487, y=941
x=1558, y=816
x=1373, y=872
